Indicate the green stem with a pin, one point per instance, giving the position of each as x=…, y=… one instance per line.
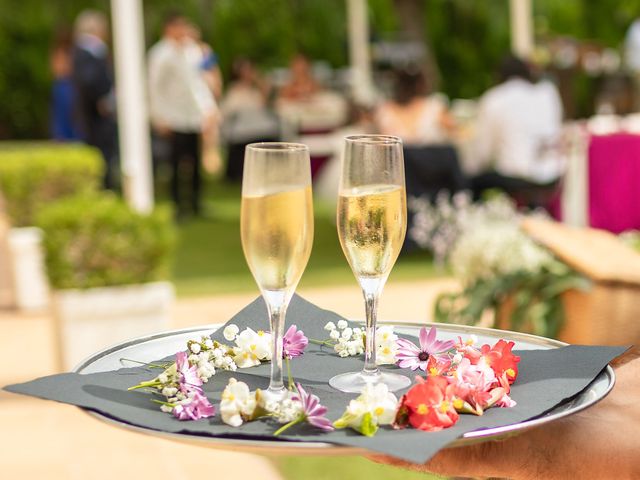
x=168, y=404
x=322, y=342
x=150, y=383
x=291, y=385
x=152, y=365
x=288, y=425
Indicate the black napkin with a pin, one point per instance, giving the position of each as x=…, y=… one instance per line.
x=546, y=378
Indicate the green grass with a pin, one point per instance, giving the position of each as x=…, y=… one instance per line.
x=338, y=468
x=209, y=257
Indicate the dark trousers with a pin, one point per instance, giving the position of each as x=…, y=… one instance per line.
x=184, y=157
x=524, y=192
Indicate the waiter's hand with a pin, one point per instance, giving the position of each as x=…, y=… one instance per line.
x=600, y=442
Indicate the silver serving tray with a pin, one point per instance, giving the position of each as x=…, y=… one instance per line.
x=153, y=347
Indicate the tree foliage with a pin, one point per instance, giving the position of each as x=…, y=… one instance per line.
x=467, y=37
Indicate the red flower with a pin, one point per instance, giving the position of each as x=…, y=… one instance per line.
x=503, y=362
x=429, y=405
x=438, y=365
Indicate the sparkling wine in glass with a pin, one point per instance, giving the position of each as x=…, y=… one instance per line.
x=372, y=222
x=277, y=231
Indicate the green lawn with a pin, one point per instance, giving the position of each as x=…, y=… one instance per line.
x=339, y=468
x=209, y=257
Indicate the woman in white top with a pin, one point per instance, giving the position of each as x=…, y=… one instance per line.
x=412, y=114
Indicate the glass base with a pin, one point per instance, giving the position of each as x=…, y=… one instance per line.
x=354, y=382
x=274, y=395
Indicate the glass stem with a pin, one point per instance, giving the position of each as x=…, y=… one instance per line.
x=371, y=289
x=277, y=313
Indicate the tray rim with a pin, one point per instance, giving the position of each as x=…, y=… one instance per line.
x=323, y=448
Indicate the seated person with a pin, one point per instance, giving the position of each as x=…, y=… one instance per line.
x=518, y=127
x=414, y=114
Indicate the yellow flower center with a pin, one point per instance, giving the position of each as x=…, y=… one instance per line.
x=468, y=342
x=260, y=333
x=422, y=409
x=444, y=406
x=253, y=347
x=433, y=371
x=245, y=355
x=510, y=373
x=231, y=397
x=378, y=411
x=385, y=336
x=386, y=350
x=458, y=404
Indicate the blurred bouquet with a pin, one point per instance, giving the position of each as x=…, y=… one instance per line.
x=502, y=270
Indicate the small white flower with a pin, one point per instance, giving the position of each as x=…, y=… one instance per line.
x=375, y=400
x=195, y=348
x=343, y=353
x=237, y=403
x=166, y=408
x=252, y=347
x=357, y=331
x=334, y=334
x=163, y=378
x=346, y=333
x=386, y=354
x=169, y=391
x=208, y=343
x=472, y=340
x=330, y=326
x=457, y=358
x=230, y=332
x=342, y=324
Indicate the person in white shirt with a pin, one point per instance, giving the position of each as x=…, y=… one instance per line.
x=181, y=103
x=414, y=114
x=518, y=127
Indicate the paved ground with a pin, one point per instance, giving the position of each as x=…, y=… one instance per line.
x=51, y=441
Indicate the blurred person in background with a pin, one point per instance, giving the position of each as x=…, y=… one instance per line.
x=517, y=133
x=210, y=71
x=62, y=95
x=414, y=114
x=182, y=106
x=94, y=101
x=246, y=115
x=301, y=85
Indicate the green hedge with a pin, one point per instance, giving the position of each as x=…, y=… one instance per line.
x=32, y=175
x=97, y=240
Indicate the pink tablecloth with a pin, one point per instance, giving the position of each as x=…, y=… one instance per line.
x=614, y=182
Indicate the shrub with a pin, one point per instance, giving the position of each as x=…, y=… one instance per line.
x=97, y=240
x=32, y=175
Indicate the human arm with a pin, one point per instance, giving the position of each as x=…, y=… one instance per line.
x=599, y=442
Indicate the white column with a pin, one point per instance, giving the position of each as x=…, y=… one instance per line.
x=521, y=14
x=362, y=84
x=133, y=121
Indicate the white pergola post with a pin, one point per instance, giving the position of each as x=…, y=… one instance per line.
x=521, y=14
x=133, y=121
x=362, y=83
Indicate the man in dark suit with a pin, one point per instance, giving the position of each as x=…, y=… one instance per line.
x=94, y=91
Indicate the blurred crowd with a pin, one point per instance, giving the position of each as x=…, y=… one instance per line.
x=510, y=138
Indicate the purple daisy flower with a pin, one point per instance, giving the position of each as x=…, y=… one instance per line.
x=199, y=407
x=187, y=375
x=312, y=411
x=293, y=343
x=413, y=357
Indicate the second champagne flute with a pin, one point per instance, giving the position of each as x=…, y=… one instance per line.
x=277, y=232
x=372, y=222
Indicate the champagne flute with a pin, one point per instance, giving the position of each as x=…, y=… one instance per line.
x=372, y=222
x=277, y=232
